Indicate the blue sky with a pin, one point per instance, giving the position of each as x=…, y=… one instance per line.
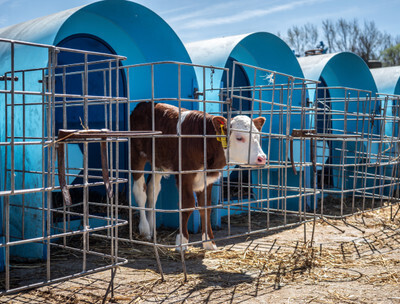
x=203, y=19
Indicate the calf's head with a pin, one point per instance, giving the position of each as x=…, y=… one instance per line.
x=244, y=141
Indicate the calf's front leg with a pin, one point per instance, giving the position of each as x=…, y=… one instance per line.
x=139, y=192
x=153, y=189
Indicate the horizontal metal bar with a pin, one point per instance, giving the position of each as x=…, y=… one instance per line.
x=119, y=262
x=60, y=235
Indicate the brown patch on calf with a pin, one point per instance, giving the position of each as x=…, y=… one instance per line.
x=166, y=119
x=167, y=154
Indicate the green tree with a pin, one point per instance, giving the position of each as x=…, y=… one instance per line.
x=391, y=55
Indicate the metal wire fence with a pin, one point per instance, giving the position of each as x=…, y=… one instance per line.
x=330, y=153
x=75, y=181
x=247, y=198
x=36, y=225
x=359, y=150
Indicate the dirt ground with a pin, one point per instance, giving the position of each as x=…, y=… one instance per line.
x=352, y=261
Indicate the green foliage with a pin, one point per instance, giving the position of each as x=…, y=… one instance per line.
x=391, y=55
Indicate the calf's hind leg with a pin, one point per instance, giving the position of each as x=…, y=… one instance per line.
x=205, y=214
x=187, y=202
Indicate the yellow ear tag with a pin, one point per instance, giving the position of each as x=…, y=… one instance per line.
x=222, y=139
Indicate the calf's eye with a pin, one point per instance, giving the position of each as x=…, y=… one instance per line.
x=239, y=138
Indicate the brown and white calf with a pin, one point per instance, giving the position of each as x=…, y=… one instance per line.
x=192, y=158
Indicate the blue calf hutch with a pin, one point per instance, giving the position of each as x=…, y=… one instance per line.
x=346, y=85
x=263, y=50
x=387, y=79
x=114, y=27
x=388, y=83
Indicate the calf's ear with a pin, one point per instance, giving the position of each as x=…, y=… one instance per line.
x=259, y=122
x=219, y=121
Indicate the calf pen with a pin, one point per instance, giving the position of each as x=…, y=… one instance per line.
x=43, y=239
x=331, y=152
x=322, y=149
x=359, y=154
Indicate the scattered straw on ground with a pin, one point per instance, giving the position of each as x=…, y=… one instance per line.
x=363, y=269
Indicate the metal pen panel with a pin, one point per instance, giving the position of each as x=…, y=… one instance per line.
x=37, y=225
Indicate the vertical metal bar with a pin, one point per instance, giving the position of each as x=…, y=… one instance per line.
x=393, y=147
x=7, y=240
x=117, y=154
x=396, y=129
x=45, y=127
x=281, y=153
x=110, y=201
x=326, y=120
x=301, y=159
x=205, y=206
x=52, y=130
x=128, y=95
x=50, y=151
x=85, y=164
x=249, y=149
x=223, y=195
x=368, y=154
x=396, y=114
x=23, y=154
x=12, y=142
x=287, y=134
x=65, y=125
x=271, y=119
x=343, y=152
x=229, y=118
x=241, y=100
x=260, y=171
x=106, y=125
x=153, y=159
x=108, y=109
x=315, y=175
x=180, y=180
x=7, y=198
x=6, y=134
x=357, y=152
x=381, y=145
x=381, y=170
x=114, y=200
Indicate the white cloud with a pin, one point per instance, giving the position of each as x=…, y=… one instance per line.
x=245, y=15
x=175, y=10
x=203, y=12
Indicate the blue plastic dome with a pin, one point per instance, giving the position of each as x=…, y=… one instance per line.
x=337, y=72
x=387, y=79
x=111, y=26
x=263, y=50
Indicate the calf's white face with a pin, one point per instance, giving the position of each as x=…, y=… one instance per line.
x=244, y=148
x=242, y=142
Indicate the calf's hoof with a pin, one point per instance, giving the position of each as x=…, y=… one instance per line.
x=144, y=230
x=209, y=245
x=178, y=242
